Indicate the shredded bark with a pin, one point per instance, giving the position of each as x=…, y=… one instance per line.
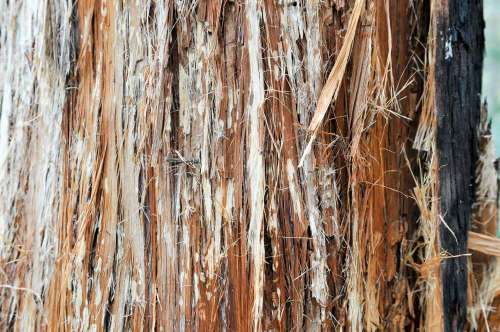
x=245, y=165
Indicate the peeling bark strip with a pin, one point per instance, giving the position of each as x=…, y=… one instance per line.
x=255, y=162
x=150, y=179
x=459, y=60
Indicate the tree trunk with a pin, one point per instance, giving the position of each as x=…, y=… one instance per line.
x=245, y=165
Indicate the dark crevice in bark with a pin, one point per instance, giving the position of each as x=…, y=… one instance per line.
x=420, y=32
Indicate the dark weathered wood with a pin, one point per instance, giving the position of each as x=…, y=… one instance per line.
x=459, y=59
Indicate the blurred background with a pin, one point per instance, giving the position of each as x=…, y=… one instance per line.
x=491, y=72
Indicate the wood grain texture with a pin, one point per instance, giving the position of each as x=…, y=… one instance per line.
x=241, y=165
x=459, y=59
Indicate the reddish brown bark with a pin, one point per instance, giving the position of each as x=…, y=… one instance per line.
x=240, y=165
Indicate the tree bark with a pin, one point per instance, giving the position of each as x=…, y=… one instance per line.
x=245, y=165
x=460, y=39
